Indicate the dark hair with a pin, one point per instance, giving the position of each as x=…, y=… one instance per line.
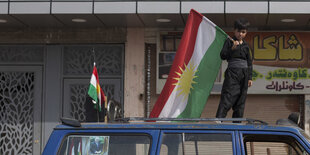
x=241, y=24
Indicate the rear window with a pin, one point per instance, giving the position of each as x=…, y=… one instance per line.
x=272, y=144
x=112, y=144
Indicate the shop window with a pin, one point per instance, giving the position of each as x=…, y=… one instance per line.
x=168, y=43
x=167, y=46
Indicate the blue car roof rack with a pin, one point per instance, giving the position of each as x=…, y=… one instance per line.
x=248, y=120
x=76, y=123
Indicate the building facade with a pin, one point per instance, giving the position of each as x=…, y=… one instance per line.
x=47, y=50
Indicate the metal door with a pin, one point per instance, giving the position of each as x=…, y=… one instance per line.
x=77, y=69
x=20, y=109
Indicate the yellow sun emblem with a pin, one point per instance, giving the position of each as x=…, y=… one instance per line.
x=186, y=79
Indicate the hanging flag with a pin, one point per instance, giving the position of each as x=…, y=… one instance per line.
x=194, y=70
x=95, y=91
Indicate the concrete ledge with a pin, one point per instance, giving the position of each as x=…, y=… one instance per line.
x=30, y=7
x=246, y=7
x=290, y=7
x=115, y=7
x=72, y=7
x=163, y=7
x=203, y=7
x=4, y=8
x=154, y=7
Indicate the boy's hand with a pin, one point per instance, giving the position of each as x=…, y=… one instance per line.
x=250, y=83
x=235, y=44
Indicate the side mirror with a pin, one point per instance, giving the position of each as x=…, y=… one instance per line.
x=295, y=117
x=70, y=121
x=114, y=110
x=292, y=120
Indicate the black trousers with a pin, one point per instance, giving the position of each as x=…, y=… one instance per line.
x=234, y=92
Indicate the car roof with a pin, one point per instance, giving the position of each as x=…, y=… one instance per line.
x=180, y=126
x=142, y=123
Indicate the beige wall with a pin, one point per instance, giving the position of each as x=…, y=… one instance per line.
x=134, y=73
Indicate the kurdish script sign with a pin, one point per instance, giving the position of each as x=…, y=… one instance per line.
x=280, y=80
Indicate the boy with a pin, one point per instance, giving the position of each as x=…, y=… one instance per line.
x=238, y=75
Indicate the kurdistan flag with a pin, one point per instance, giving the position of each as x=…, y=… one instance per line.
x=95, y=91
x=194, y=70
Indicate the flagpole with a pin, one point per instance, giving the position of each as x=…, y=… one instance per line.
x=97, y=105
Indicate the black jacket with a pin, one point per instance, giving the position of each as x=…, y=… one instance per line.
x=241, y=52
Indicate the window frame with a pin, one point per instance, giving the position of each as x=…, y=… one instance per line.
x=234, y=136
x=293, y=135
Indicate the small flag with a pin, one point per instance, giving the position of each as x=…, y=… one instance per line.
x=194, y=70
x=95, y=91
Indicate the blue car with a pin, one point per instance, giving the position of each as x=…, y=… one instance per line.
x=137, y=136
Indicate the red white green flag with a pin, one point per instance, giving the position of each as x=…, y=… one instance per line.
x=194, y=70
x=95, y=91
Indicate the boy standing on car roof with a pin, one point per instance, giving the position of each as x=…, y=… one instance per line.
x=238, y=75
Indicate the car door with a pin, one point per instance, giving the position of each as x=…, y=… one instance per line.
x=272, y=142
x=193, y=142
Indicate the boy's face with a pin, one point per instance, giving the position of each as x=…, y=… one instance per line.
x=240, y=34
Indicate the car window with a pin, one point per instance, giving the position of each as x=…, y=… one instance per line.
x=105, y=145
x=272, y=144
x=196, y=143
